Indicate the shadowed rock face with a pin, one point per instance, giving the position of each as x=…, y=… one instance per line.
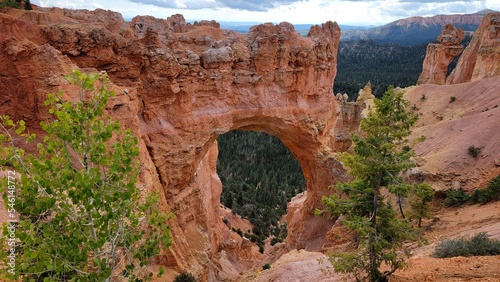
x=179, y=86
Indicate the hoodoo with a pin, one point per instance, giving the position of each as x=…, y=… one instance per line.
x=439, y=55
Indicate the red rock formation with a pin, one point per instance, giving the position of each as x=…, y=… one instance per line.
x=179, y=86
x=481, y=58
x=439, y=56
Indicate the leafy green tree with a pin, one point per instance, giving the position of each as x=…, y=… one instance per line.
x=379, y=156
x=81, y=214
x=421, y=196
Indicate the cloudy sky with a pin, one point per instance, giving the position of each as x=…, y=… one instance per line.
x=348, y=12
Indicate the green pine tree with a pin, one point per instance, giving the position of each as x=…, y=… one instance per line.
x=420, y=198
x=81, y=214
x=27, y=5
x=380, y=154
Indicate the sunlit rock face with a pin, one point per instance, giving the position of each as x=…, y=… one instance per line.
x=178, y=87
x=481, y=58
x=439, y=55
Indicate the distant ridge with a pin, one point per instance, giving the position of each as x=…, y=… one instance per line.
x=415, y=30
x=485, y=11
x=303, y=29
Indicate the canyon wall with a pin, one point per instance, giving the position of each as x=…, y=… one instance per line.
x=481, y=58
x=178, y=87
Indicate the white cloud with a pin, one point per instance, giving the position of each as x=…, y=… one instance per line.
x=354, y=12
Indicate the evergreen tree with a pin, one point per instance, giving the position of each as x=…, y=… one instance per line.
x=378, y=157
x=420, y=197
x=27, y=5
x=81, y=216
x=259, y=177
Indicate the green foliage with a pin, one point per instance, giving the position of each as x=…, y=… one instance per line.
x=384, y=65
x=455, y=198
x=11, y=4
x=27, y=5
x=379, y=155
x=261, y=246
x=452, y=99
x=238, y=231
x=421, y=196
x=266, y=266
x=81, y=215
x=185, y=277
x=474, y=151
x=488, y=194
x=479, y=245
x=259, y=176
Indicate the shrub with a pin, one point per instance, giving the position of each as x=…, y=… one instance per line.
x=453, y=99
x=455, y=198
x=451, y=248
x=488, y=194
x=276, y=240
x=261, y=246
x=474, y=151
x=237, y=231
x=266, y=266
x=479, y=245
x=185, y=277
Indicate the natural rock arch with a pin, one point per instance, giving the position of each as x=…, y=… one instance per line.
x=178, y=87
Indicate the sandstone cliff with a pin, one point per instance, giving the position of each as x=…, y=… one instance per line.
x=481, y=58
x=439, y=55
x=179, y=86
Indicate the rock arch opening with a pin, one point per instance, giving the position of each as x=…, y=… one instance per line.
x=259, y=177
